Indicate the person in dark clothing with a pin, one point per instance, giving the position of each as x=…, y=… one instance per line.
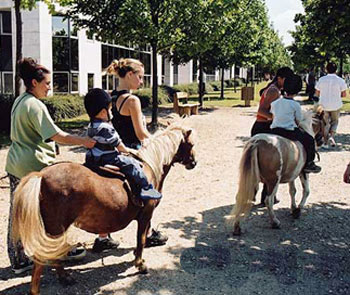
x=128, y=118
x=264, y=117
x=310, y=82
x=286, y=117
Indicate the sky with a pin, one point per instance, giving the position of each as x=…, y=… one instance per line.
x=281, y=13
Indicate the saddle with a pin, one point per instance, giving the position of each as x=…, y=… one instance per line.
x=111, y=171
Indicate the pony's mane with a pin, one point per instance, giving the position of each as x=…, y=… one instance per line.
x=161, y=148
x=306, y=122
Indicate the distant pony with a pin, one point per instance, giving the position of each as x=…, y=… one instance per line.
x=272, y=159
x=46, y=203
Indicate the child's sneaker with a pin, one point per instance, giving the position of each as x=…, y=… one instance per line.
x=74, y=255
x=331, y=141
x=150, y=193
x=311, y=167
x=103, y=245
x=23, y=266
x=156, y=239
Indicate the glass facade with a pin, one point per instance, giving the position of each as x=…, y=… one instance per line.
x=6, y=74
x=110, y=52
x=91, y=81
x=65, y=55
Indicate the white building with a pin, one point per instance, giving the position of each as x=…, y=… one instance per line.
x=74, y=58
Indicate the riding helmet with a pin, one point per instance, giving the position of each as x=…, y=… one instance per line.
x=96, y=100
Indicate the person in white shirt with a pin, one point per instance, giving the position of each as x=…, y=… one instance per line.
x=330, y=89
x=286, y=117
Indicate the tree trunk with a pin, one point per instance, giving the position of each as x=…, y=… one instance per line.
x=222, y=83
x=154, y=87
x=200, y=88
x=18, y=45
x=234, y=79
x=252, y=74
x=341, y=65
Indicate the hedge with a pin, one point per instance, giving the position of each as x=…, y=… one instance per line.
x=59, y=106
x=6, y=101
x=190, y=88
x=145, y=96
x=227, y=83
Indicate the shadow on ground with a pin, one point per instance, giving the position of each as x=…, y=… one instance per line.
x=305, y=256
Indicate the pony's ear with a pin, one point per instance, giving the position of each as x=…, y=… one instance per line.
x=188, y=133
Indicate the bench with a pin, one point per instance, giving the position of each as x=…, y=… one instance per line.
x=184, y=108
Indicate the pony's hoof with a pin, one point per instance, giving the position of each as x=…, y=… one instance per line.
x=143, y=269
x=67, y=280
x=296, y=213
x=237, y=231
x=276, y=225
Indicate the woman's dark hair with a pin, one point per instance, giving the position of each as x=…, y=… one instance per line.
x=331, y=68
x=29, y=69
x=292, y=84
x=283, y=72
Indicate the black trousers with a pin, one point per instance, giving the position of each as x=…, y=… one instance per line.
x=261, y=127
x=304, y=138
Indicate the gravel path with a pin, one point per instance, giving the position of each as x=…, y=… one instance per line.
x=306, y=256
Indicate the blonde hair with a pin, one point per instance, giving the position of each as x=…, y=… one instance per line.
x=122, y=66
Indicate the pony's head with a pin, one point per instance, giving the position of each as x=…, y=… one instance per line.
x=169, y=146
x=306, y=122
x=186, y=153
x=319, y=125
x=313, y=123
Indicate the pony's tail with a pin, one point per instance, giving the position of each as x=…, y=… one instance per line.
x=27, y=224
x=248, y=182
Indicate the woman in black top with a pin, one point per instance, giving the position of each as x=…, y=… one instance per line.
x=128, y=118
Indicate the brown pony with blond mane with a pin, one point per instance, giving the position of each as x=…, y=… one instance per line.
x=272, y=159
x=47, y=202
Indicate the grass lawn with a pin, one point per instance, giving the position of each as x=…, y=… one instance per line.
x=211, y=99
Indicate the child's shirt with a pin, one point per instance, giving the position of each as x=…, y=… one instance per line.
x=286, y=111
x=107, y=139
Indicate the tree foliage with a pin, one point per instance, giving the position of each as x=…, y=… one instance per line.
x=137, y=22
x=323, y=32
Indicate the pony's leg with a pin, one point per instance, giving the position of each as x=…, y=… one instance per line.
x=36, y=274
x=292, y=193
x=304, y=178
x=63, y=276
x=269, y=201
x=144, y=222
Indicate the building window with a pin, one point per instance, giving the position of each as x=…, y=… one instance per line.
x=6, y=75
x=65, y=55
x=60, y=82
x=74, y=82
x=111, y=52
x=104, y=82
x=91, y=81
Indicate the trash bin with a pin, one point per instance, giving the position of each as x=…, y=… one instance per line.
x=247, y=94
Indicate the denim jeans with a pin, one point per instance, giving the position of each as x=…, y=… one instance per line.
x=15, y=252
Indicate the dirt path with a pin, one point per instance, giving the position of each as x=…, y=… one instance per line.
x=306, y=256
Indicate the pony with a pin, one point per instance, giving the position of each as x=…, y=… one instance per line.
x=272, y=159
x=46, y=203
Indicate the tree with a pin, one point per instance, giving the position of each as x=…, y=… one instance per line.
x=325, y=25
x=156, y=23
